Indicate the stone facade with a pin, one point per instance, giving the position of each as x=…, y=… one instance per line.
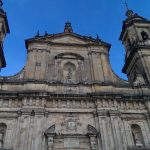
x=68, y=97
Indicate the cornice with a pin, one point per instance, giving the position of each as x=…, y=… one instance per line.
x=89, y=96
x=59, y=83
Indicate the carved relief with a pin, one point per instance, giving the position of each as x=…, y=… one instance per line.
x=73, y=103
x=71, y=123
x=70, y=103
x=119, y=104
x=69, y=72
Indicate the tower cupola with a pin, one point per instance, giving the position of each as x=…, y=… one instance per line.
x=135, y=36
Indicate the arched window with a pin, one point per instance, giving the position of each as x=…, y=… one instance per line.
x=3, y=128
x=69, y=72
x=144, y=35
x=137, y=135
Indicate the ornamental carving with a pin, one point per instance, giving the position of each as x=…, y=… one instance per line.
x=71, y=123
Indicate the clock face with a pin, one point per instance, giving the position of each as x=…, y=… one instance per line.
x=129, y=13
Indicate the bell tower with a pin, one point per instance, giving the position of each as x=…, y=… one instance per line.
x=135, y=36
x=4, y=29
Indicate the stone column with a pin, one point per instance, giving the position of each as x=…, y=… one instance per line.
x=116, y=129
x=31, y=131
x=23, y=132
x=105, y=131
x=98, y=129
x=37, y=133
x=145, y=134
x=128, y=133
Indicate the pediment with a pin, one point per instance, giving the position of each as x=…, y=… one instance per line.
x=68, y=39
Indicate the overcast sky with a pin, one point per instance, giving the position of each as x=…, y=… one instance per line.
x=88, y=17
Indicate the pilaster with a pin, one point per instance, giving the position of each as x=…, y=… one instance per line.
x=118, y=130
x=105, y=130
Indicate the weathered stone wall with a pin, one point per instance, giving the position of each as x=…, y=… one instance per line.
x=104, y=122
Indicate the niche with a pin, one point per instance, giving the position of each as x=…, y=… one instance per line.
x=69, y=72
x=137, y=135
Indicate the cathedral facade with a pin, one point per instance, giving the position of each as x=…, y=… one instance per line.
x=67, y=97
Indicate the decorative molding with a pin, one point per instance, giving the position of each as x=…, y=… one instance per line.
x=38, y=49
x=97, y=53
x=103, y=113
x=72, y=56
x=114, y=113
x=121, y=104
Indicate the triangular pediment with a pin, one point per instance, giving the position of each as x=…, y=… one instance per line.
x=68, y=39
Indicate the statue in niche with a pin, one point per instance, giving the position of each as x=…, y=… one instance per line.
x=137, y=136
x=69, y=72
x=137, y=139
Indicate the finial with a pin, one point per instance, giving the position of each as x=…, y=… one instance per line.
x=46, y=33
x=38, y=33
x=68, y=28
x=97, y=38
x=126, y=6
x=129, y=12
